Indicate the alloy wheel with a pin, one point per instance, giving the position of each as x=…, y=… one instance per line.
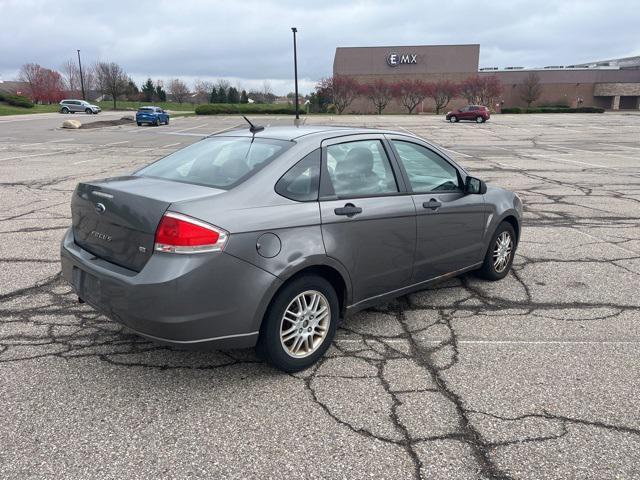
x=305, y=324
x=502, y=252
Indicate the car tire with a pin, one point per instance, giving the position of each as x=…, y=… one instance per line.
x=502, y=247
x=88, y=111
x=156, y=123
x=167, y=122
x=278, y=342
x=64, y=110
x=453, y=119
x=479, y=119
x=139, y=124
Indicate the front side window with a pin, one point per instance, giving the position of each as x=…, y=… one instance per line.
x=360, y=169
x=219, y=162
x=302, y=181
x=427, y=171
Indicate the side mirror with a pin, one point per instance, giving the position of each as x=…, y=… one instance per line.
x=474, y=185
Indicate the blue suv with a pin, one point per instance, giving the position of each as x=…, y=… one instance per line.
x=152, y=115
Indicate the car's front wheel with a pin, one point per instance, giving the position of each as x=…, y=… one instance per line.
x=479, y=119
x=453, y=119
x=300, y=324
x=499, y=256
x=88, y=111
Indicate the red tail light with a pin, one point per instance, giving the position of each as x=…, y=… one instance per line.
x=178, y=233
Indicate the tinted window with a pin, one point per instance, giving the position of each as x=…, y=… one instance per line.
x=302, y=181
x=145, y=109
x=220, y=162
x=361, y=168
x=427, y=171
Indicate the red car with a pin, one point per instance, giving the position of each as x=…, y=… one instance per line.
x=477, y=113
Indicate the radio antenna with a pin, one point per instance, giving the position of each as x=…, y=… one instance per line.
x=253, y=128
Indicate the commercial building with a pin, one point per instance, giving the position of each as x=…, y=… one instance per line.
x=612, y=84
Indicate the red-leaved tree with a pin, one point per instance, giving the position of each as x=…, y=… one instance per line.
x=379, y=93
x=481, y=90
x=442, y=92
x=44, y=85
x=410, y=93
x=341, y=89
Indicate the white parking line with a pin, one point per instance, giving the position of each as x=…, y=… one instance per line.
x=191, y=128
x=500, y=342
x=171, y=145
x=115, y=143
x=34, y=155
x=604, y=241
x=47, y=142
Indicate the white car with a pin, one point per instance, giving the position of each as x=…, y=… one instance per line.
x=73, y=106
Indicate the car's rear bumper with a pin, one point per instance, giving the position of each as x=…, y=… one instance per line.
x=214, y=299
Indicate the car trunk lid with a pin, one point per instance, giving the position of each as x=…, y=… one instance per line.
x=116, y=219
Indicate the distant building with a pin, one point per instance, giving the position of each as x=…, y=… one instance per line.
x=612, y=84
x=15, y=87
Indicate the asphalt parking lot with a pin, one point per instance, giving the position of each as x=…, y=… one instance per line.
x=534, y=377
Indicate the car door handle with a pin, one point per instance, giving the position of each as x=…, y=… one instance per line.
x=349, y=210
x=433, y=204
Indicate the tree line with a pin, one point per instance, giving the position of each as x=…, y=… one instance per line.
x=45, y=85
x=337, y=93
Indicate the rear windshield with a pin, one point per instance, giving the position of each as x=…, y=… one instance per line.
x=146, y=109
x=219, y=162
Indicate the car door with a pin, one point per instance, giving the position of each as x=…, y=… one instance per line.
x=450, y=223
x=465, y=113
x=77, y=106
x=368, y=219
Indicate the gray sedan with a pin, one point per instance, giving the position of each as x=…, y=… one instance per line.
x=268, y=237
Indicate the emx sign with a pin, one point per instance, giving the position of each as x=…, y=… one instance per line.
x=395, y=59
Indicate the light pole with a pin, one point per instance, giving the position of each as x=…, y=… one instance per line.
x=81, y=79
x=295, y=68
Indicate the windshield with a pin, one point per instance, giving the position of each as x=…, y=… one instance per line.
x=145, y=109
x=219, y=162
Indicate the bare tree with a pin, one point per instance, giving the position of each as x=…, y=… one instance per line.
x=379, y=92
x=44, y=85
x=481, y=90
x=31, y=73
x=442, y=92
x=71, y=77
x=202, y=89
x=530, y=90
x=111, y=79
x=410, y=93
x=178, y=89
x=341, y=89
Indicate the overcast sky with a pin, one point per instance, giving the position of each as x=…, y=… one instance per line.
x=248, y=41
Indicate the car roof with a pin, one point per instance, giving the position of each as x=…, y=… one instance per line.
x=292, y=133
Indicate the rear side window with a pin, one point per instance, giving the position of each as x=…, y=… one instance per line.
x=360, y=169
x=302, y=181
x=219, y=162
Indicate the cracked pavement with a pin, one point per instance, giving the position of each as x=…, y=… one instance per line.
x=532, y=377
